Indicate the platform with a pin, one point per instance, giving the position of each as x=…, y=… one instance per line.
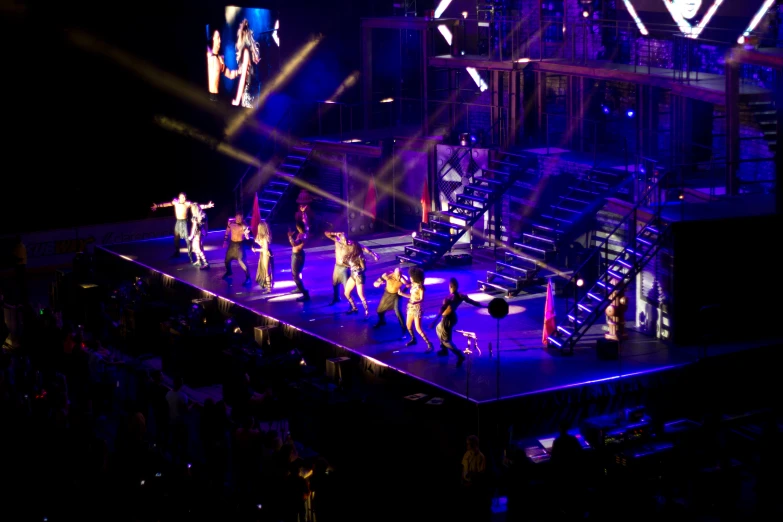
x=526, y=369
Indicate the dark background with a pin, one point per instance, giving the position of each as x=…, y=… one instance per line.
x=81, y=145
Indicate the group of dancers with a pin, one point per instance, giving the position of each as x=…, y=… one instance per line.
x=349, y=270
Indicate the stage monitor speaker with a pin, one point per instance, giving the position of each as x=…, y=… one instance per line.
x=337, y=369
x=263, y=335
x=607, y=350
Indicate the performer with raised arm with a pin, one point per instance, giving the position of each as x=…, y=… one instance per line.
x=341, y=271
x=355, y=259
x=415, y=297
x=297, y=240
x=238, y=232
x=248, y=55
x=198, y=232
x=394, y=281
x=448, y=319
x=181, y=205
x=266, y=261
x=305, y=213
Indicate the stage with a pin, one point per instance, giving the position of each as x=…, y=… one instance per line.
x=525, y=369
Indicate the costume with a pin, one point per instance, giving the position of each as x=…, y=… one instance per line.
x=414, y=311
x=266, y=260
x=390, y=299
x=447, y=322
x=248, y=95
x=237, y=232
x=341, y=271
x=357, y=265
x=198, y=232
x=298, y=261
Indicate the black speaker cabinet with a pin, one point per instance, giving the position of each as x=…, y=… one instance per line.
x=607, y=350
x=337, y=369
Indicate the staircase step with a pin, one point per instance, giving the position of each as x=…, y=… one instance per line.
x=643, y=241
x=594, y=297
x=573, y=319
x=548, y=241
x=304, y=150
x=565, y=331
x=548, y=231
x=466, y=208
x=278, y=185
x=623, y=262
x=434, y=233
x=566, y=209
x=418, y=251
x=539, y=253
x=579, y=201
x=426, y=243
x=479, y=188
x=652, y=229
x=609, y=288
x=522, y=272
x=452, y=215
x=504, y=163
x=290, y=166
x=634, y=252
x=275, y=193
x=554, y=340
x=501, y=173
x=522, y=261
x=292, y=157
x=263, y=200
x=505, y=279
x=488, y=286
x=286, y=175
x=586, y=191
x=406, y=259
x=615, y=275
x=446, y=224
x=560, y=220
x=471, y=197
x=585, y=308
x=489, y=181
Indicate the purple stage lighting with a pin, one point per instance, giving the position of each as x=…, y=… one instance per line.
x=630, y=113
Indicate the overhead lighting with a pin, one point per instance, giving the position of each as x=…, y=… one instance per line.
x=465, y=14
x=476, y=78
x=523, y=60
x=330, y=101
x=441, y=7
x=387, y=100
x=274, y=33
x=446, y=33
x=755, y=20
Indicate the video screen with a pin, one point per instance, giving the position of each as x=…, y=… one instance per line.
x=717, y=20
x=242, y=55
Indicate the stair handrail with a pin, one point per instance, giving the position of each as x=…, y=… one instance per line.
x=603, y=247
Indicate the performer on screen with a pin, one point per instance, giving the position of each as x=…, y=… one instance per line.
x=266, y=261
x=248, y=55
x=181, y=205
x=297, y=240
x=355, y=259
x=448, y=319
x=215, y=66
x=238, y=232
x=394, y=281
x=415, y=297
x=198, y=231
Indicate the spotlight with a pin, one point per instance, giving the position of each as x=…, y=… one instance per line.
x=630, y=113
x=681, y=196
x=462, y=53
x=464, y=14
x=413, y=235
x=585, y=14
x=580, y=282
x=605, y=109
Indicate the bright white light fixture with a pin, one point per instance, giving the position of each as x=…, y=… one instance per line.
x=636, y=19
x=755, y=20
x=387, y=100
x=275, y=37
x=446, y=33
x=441, y=7
x=476, y=78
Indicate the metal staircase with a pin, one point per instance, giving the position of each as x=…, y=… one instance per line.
x=616, y=271
x=486, y=187
x=539, y=245
x=764, y=114
x=276, y=187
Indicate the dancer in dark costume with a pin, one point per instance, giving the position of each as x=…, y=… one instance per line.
x=413, y=312
x=448, y=319
x=238, y=232
x=297, y=240
x=394, y=281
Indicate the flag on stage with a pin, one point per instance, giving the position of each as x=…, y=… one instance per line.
x=370, y=200
x=549, y=314
x=425, y=203
x=255, y=219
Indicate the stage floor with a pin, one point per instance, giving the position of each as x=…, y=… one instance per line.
x=525, y=367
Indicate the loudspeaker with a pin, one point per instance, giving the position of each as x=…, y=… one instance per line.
x=335, y=371
x=263, y=335
x=607, y=350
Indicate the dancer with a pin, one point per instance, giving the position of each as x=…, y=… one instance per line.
x=297, y=240
x=394, y=281
x=341, y=271
x=415, y=297
x=215, y=66
x=448, y=319
x=248, y=54
x=198, y=232
x=266, y=261
x=181, y=205
x=238, y=231
x=355, y=259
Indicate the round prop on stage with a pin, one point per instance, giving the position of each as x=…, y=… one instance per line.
x=498, y=308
